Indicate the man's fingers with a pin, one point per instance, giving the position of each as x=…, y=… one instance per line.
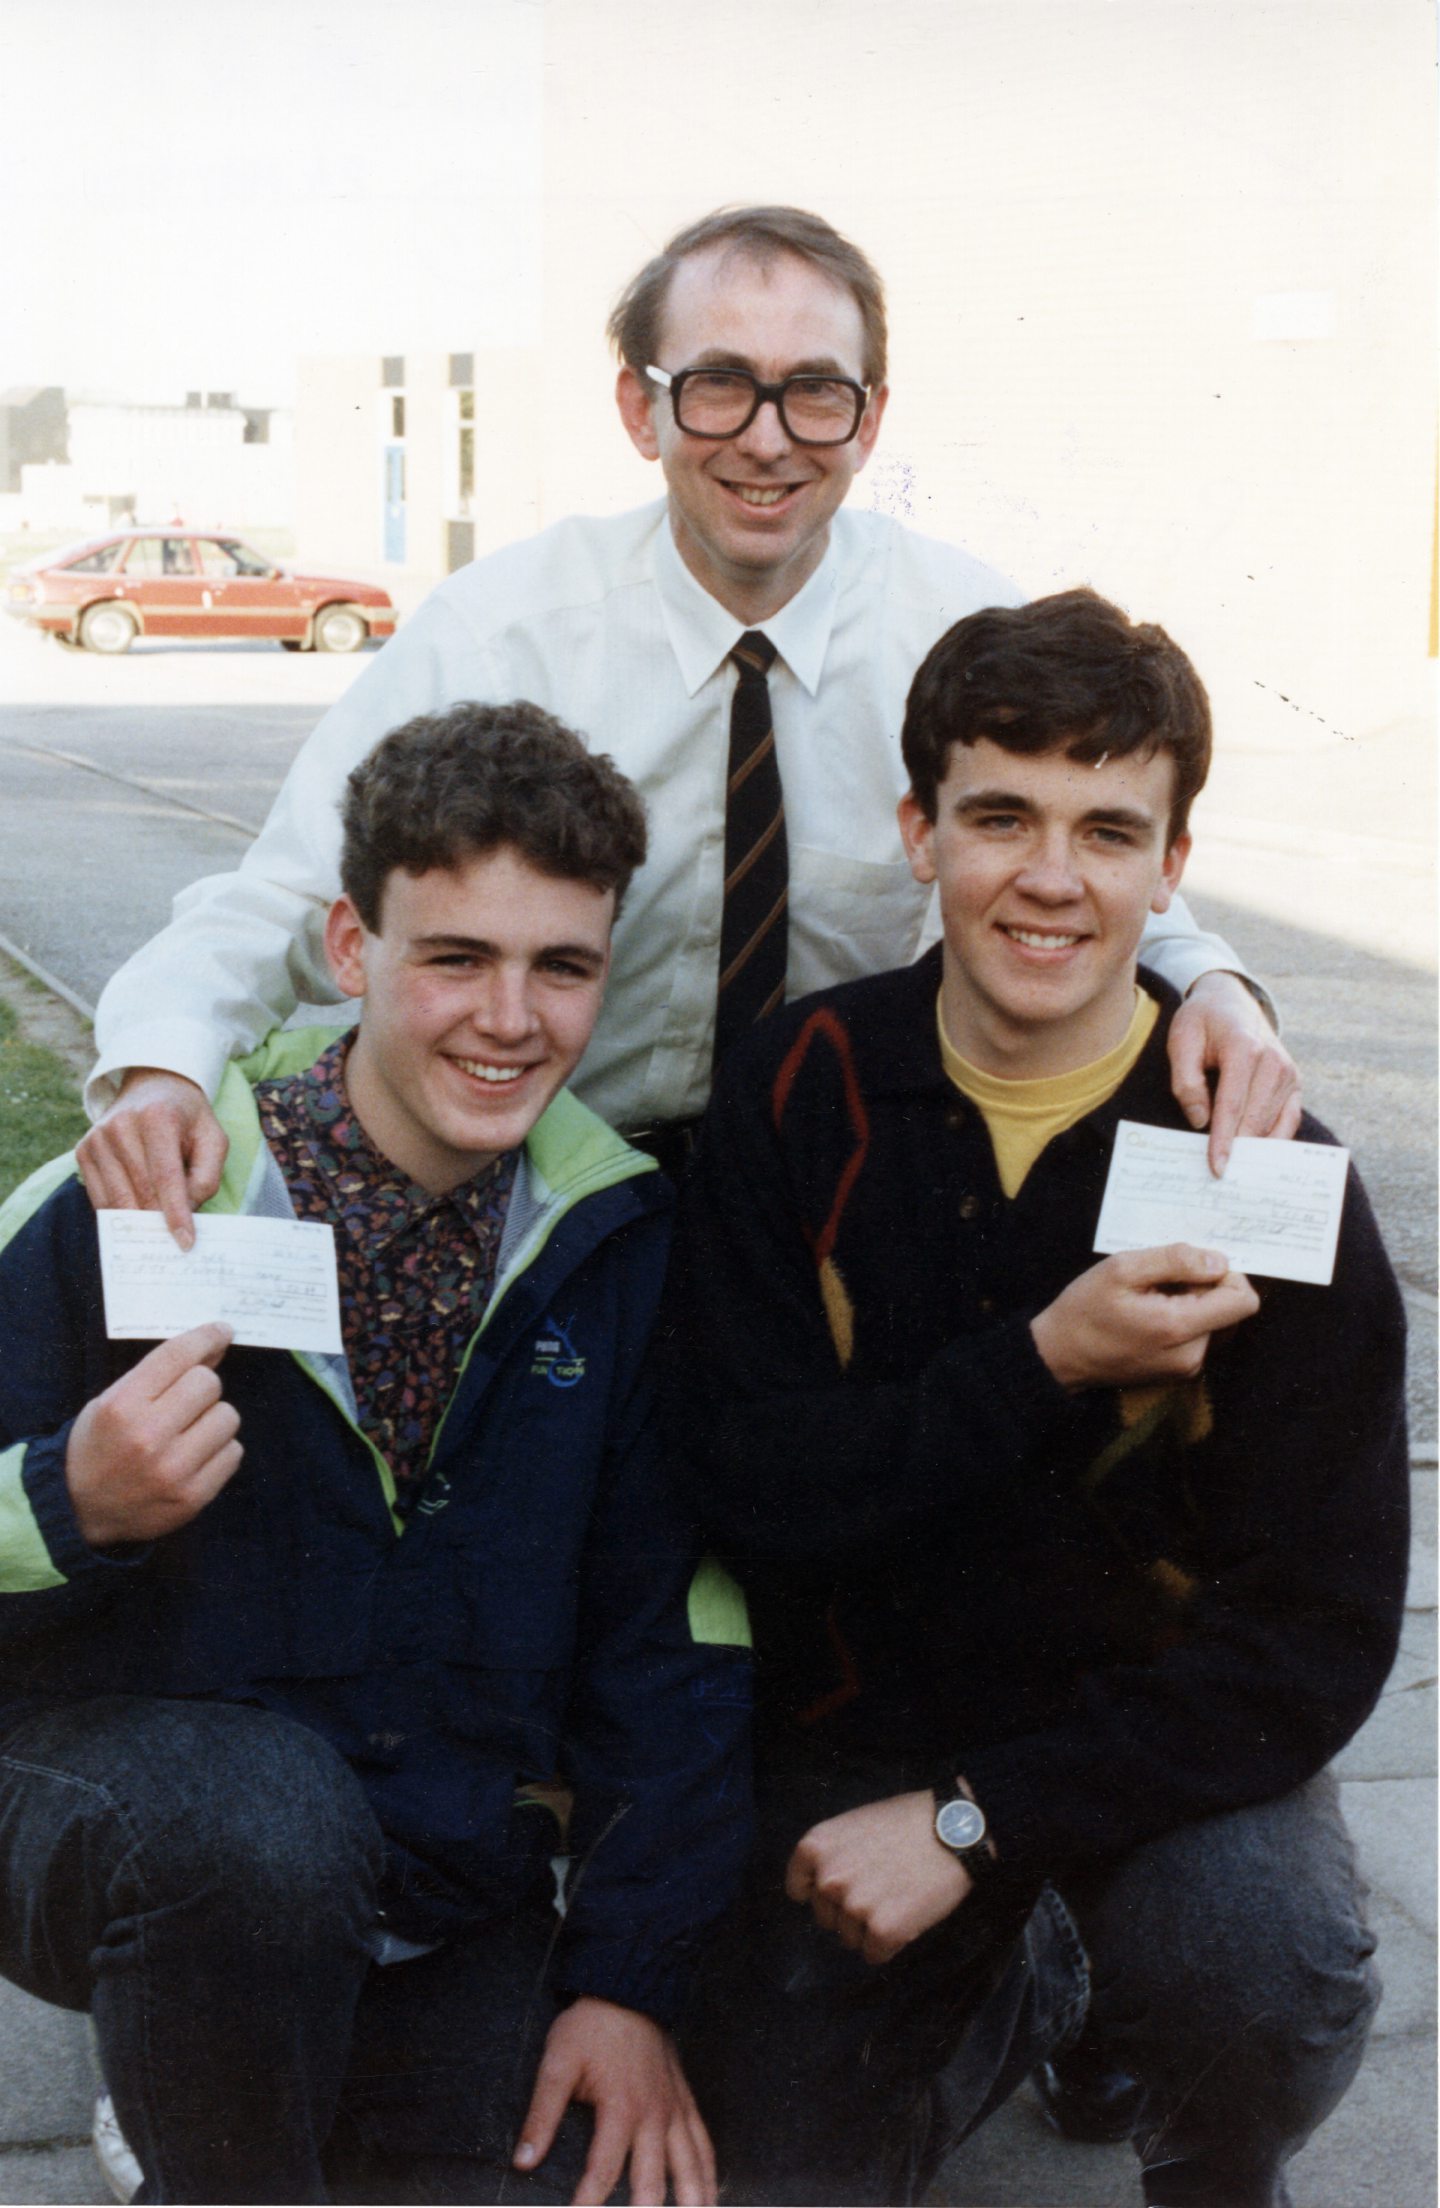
x=693, y=2175
x=647, y=2167
x=171, y=1196
x=114, y=1169
x=548, y=2104
x=1172, y=1265
x=799, y=1875
x=1287, y=1126
x=160, y=1368
x=207, y=1161
x=605, y=2162
x=1187, y=1070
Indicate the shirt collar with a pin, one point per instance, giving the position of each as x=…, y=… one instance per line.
x=703, y=633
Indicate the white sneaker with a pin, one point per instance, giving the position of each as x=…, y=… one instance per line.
x=122, y=2172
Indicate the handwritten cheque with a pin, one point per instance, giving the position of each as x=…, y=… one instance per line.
x=272, y=1280
x=1276, y=1211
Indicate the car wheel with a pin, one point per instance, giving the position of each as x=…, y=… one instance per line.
x=339, y=629
x=107, y=629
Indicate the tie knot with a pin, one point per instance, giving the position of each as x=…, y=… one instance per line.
x=753, y=653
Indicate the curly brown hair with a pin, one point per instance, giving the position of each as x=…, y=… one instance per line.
x=447, y=787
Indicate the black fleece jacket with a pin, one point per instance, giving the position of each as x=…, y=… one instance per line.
x=1113, y=1612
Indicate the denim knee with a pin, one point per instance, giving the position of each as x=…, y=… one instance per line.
x=116, y=1808
x=1231, y=1960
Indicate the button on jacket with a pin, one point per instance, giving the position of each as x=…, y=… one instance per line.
x=601, y=622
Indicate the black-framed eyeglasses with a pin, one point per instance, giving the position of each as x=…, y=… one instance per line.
x=720, y=402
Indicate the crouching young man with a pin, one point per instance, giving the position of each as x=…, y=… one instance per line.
x=1068, y=1577
x=288, y=1643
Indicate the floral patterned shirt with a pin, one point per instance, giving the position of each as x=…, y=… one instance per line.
x=415, y=1270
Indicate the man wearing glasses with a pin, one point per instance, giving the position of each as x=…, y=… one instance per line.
x=743, y=649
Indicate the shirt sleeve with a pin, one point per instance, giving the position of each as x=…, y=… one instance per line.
x=243, y=949
x=1180, y=952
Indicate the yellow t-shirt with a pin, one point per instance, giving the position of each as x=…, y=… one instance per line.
x=1023, y=1116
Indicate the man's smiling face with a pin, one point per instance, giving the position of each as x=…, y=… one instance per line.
x=481, y=988
x=1046, y=869
x=752, y=513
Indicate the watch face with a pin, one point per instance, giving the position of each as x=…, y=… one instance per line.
x=959, y=1823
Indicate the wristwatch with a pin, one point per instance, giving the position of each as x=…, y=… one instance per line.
x=960, y=1826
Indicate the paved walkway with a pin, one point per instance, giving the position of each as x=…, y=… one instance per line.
x=1362, y=1027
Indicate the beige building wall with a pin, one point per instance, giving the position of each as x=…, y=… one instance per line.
x=344, y=422
x=1162, y=300
x=337, y=467
x=1161, y=290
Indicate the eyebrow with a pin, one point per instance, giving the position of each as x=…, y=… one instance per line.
x=477, y=945
x=1009, y=801
x=716, y=356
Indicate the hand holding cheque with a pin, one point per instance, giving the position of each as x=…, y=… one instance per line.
x=1148, y=1312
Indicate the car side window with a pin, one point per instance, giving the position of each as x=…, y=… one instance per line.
x=143, y=558
x=176, y=557
x=246, y=561
x=95, y=563
x=217, y=559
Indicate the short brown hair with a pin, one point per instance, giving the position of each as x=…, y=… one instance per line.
x=448, y=787
x=1071, y=673
x=764, y=233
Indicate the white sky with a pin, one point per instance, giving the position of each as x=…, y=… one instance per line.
x=193, y=192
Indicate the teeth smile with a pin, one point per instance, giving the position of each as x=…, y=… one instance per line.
x=755, y=494
x=1038, y=942
x=497, y=1075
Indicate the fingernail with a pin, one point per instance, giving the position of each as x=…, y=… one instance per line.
x=1214, y=1262
x=524, y=2155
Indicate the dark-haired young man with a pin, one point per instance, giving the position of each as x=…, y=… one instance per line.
x=1067, y=1577
x=287, y=1644
x=749, y=600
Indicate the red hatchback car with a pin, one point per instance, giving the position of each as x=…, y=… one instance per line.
x=178, y=582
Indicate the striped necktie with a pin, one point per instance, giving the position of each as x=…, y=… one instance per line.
x=753, y=924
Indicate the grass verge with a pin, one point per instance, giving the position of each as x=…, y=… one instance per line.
x=40, y=1109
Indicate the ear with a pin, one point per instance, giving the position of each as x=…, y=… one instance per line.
x=917, y=833
x=1171, y=869
x=345, y=938
x=637, y=412
x=869, y=429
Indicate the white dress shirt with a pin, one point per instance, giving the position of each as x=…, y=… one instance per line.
x=601, y=622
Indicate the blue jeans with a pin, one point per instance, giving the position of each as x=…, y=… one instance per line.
x=206, y=1880
x=1230, y=1967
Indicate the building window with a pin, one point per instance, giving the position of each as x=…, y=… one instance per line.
x=392, y=371
x=460, y=457
x=459, y=545
x=397, y=415
x=462, y=370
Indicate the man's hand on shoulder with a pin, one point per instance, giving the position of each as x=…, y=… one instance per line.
x=645, y=2114
x=158, y=1148
x=1220, y=1024
x=147, y=1456
x=876, y=1876
x=1143, y=1315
